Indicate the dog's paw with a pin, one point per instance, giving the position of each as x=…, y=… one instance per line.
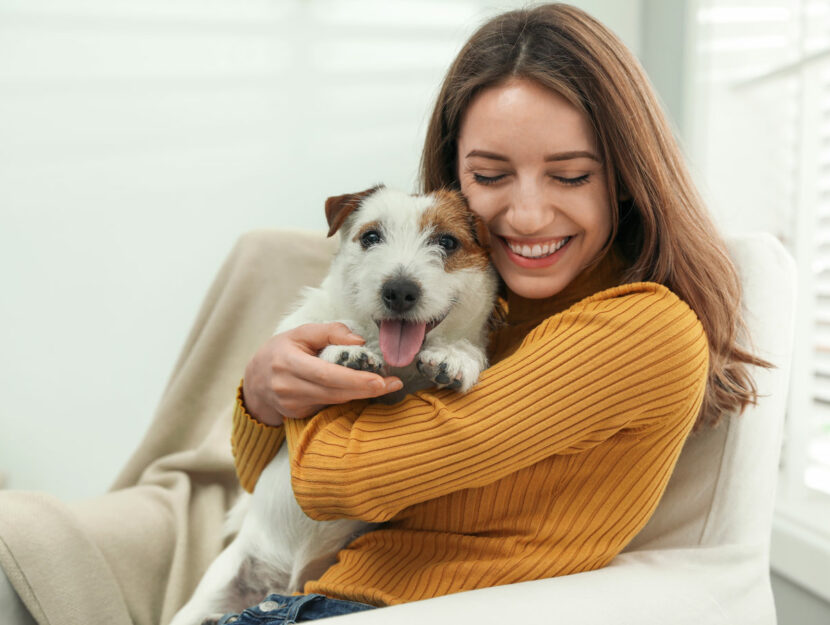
x=354, y=357
x=449, y=368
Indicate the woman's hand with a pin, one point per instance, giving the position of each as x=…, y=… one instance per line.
x=285, y=378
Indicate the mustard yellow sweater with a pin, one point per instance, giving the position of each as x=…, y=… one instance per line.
x=549, y=466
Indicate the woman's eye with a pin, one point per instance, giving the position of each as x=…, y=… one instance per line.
x=487, y=179
x=369, y=238
x=572, y=181
x=448, y=242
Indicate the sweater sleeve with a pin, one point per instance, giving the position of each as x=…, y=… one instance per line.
x=626, y=358
x=254, y=444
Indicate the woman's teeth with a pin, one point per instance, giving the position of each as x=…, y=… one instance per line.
x=537, y=250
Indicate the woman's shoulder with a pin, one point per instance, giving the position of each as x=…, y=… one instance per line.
x=646, y=323
x=647, y=310
x=636, y=297
x=643, y=319
x=630, y=288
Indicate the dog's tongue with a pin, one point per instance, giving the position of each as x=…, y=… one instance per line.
x=400, y=341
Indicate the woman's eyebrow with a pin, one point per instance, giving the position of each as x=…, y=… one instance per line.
x=566, y=156
x=559, y=156
x=491, y=155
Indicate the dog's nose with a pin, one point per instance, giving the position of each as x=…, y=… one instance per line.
x=400, y=294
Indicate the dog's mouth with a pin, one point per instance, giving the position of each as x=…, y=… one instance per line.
x=401, y=339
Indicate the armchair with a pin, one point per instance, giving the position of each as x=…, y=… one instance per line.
x=135, y=554
x=703, y=558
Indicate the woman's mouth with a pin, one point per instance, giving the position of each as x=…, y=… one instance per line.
x=537, y=250
x=540, y=253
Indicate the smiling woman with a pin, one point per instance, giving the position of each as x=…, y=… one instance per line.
x=616, y=343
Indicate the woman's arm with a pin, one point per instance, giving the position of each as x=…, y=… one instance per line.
x=286, y=379
x=624, y=358
x=253, y=443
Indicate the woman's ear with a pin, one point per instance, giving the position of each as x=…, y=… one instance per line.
x=339, y=207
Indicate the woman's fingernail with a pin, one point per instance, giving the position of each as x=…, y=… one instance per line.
x=354, y=337
x=394, y=385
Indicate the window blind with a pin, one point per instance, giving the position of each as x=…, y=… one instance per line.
x=818, y=461
x=765, y=64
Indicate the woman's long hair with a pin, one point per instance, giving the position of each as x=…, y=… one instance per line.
x=661, y=224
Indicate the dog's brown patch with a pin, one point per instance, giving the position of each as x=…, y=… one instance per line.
x=451, y=215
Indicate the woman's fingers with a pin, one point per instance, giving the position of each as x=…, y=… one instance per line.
x=307, y=398
x=329, y=375
x=306, y=365
x=319, y=335
x=336, y=383
x=286, y=378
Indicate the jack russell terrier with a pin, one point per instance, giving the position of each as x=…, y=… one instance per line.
x=412, y=276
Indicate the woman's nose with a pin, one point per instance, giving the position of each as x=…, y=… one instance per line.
x=529, y=213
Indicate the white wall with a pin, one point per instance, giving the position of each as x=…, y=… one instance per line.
x=138, y=139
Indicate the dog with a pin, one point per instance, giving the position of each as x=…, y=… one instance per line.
x=412, y=276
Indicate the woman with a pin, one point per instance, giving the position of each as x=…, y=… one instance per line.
x=622, y=311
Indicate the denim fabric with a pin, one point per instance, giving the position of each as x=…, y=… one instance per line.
x=283, y=610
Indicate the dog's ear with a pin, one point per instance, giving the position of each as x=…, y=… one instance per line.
x=480, y=231
x=341, y=206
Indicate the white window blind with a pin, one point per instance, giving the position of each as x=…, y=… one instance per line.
x=765, y=68
x=818, y=464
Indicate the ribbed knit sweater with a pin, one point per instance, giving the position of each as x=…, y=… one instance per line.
x=549, y=466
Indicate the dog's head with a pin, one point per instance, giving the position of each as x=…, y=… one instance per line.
x=410, y=263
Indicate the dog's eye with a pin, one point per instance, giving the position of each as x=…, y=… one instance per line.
x=369, y=238
x=448, y=242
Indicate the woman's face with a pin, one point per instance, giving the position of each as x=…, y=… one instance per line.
x=529, y=166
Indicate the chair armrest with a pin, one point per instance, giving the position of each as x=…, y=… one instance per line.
x=722, y=585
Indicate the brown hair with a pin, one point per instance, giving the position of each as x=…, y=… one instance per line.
x=661, y=226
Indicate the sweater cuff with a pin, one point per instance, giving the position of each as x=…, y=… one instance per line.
x=254, y=444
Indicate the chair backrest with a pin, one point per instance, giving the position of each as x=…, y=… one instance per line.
x=723, y=488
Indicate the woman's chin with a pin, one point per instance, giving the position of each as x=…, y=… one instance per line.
x=531, y=283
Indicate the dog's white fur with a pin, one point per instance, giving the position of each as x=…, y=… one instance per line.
x=278, y=547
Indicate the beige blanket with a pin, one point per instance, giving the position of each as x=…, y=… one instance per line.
x=134, y=554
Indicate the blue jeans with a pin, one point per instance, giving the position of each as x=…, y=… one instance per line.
x=283, y=610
